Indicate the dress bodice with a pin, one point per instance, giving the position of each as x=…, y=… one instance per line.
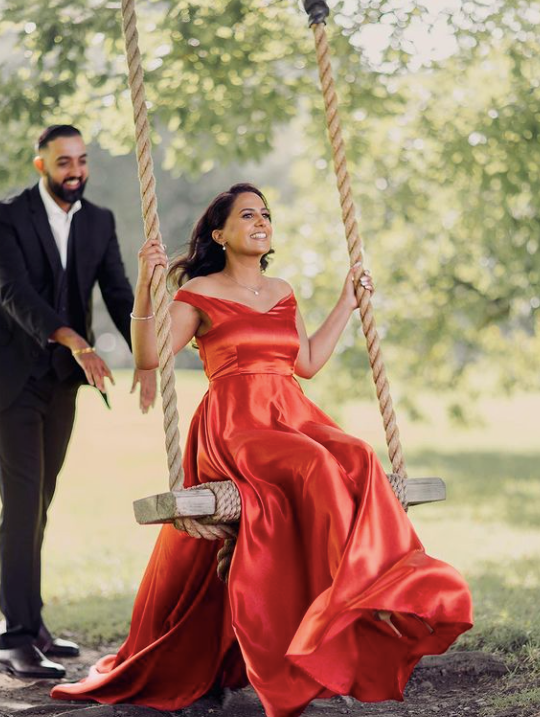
x=243, y=340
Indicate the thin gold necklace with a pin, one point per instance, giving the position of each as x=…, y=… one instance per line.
x=256, y=291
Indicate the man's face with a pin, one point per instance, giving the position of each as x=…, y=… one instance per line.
x=63, y=163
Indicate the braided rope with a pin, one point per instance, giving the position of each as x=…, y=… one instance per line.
x=152, y=231
x=225, y=556
x=223, y=523
x=208, y=528
x=399, y=485
x=354, y=243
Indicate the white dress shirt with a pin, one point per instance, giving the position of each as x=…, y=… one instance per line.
x=59, y=220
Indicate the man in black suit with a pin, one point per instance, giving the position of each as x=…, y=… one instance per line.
x=54, y=247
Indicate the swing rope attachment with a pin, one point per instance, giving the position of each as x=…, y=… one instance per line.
x=317, y=10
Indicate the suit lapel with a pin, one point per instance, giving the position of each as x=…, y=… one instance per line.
x=43, y=230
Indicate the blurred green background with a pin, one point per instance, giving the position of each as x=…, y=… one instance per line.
x=440, y=102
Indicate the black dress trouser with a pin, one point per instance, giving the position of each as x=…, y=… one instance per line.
x=34, y=434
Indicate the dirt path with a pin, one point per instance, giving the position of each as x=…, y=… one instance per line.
x=458, y=684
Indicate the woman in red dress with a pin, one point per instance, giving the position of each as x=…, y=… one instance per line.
x=330, y=590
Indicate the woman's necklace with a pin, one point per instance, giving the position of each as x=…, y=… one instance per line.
x=253, y=290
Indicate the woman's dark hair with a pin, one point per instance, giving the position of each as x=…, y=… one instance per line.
x=204, y=255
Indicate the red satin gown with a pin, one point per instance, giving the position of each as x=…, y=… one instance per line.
x=323, y=543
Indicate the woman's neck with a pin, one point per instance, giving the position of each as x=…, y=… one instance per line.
x=249, y=272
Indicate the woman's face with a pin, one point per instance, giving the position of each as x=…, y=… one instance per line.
x=248, y=229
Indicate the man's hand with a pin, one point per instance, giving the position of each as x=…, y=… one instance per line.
x=147, y=380
x=95, y=369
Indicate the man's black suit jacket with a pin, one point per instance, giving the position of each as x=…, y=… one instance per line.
x=30, y=275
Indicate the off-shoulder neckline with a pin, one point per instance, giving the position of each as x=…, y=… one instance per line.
x=238, y=303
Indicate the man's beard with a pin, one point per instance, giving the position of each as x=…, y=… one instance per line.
x=62, y=192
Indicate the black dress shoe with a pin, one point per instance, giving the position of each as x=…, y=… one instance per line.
x=50, y=645
x=28, y=661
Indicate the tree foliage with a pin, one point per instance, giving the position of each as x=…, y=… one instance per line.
x=222, y=76
x=448, y=187
x=440, y=105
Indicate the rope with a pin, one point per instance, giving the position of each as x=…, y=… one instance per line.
x=222, y=525
x=224, y=557
x=152, y=231
x=207, y=528
x=355, y=246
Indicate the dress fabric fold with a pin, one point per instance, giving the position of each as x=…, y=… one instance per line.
x=323, y=543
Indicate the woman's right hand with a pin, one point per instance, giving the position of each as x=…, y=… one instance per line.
x=152, y=254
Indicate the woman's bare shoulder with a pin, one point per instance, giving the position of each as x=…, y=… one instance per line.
x=280, y=286
x=201, y=284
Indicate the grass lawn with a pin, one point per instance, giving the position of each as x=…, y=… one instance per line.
x=489, y=528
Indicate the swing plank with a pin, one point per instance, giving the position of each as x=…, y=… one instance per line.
x=425, y=490
x=165, y=507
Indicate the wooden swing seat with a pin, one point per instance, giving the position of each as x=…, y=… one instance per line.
x=201, y=502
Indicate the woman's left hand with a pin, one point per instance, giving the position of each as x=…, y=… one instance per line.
x=356, y=275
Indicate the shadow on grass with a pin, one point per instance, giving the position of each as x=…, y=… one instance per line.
x=507, y=618
x=510, y=482
x=93, y=620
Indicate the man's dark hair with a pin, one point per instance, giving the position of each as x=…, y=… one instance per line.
x=54, y=131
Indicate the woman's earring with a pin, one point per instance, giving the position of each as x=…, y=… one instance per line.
x=224, y=247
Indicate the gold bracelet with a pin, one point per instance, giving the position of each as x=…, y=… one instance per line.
x=141, y=318
x=87, y=350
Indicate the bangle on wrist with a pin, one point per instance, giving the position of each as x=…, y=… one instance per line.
x=141, y=318
x=87, y=350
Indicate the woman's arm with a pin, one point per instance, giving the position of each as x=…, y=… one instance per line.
x=316, y=350
x=185, y=319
